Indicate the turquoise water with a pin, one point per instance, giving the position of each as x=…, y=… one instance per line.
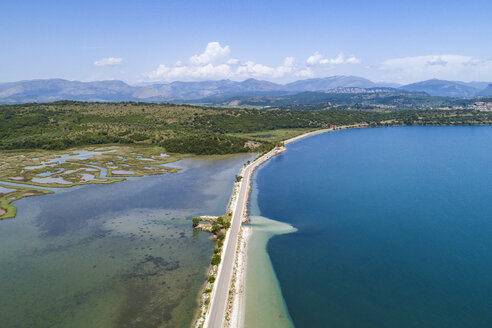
x=119, y=255
x=263, y=304
x=394, y=227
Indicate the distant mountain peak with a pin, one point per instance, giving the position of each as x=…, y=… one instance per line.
x=44, y=90
x=443, y=88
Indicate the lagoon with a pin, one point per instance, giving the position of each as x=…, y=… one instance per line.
x=118, y=255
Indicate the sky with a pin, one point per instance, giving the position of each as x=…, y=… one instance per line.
x=281, y=41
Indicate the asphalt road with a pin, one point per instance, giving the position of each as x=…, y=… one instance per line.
x=219, y=301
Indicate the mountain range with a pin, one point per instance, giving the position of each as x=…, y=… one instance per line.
x=209, y=91
x=442, y=88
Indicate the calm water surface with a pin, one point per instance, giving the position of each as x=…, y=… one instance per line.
x=394, y=227
x=120, y=255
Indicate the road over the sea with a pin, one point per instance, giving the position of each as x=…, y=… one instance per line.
x=220, y=295
x=215, y=319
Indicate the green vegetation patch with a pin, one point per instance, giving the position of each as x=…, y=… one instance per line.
x=273, y=136
x=199, y=130
x=63, y=169
x=209, y=144
x=7, y=210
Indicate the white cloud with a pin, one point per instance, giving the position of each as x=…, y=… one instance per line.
x=319, y=59
x=446, y=67
x=212, y=52
x=232, y=61
x=214, y=63
x=314, y=59
x=227, y=70
x=251, y=69
x=304, y=73
x=110, y=61
x=184, y=72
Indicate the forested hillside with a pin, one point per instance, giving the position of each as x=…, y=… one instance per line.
x=187, y=129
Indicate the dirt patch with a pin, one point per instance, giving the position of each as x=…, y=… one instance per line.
x=252, y=144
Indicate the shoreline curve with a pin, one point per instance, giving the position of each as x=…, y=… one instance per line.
x=227, y=296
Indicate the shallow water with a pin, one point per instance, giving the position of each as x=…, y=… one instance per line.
x=123, y=172
x=48, y=179
x=48, y=173
x=394, y=227
x=4, y=190
x=263, y=304
x=119, y=255
x=60, y=159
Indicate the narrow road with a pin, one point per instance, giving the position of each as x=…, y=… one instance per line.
x=216, y=317
x=219, y=302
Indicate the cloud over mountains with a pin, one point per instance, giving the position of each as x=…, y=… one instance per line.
x=215, y=63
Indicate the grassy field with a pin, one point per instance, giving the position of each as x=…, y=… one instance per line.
x=273, y=136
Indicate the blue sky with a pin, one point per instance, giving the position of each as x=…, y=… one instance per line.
x=144, y=41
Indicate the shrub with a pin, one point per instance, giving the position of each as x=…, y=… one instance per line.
x=215, y=259
x=205, y=144
x=216, y=228
x=196, y=222
x=139, y=137
x=220, y=220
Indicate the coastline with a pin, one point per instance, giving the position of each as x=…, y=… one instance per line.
x=232, y=314
x=219, y=312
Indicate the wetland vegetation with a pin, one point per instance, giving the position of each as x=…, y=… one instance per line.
x=69, y=143
x=23, y=171
x=114, y=255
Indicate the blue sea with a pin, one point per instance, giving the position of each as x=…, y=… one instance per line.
x=394, y=227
